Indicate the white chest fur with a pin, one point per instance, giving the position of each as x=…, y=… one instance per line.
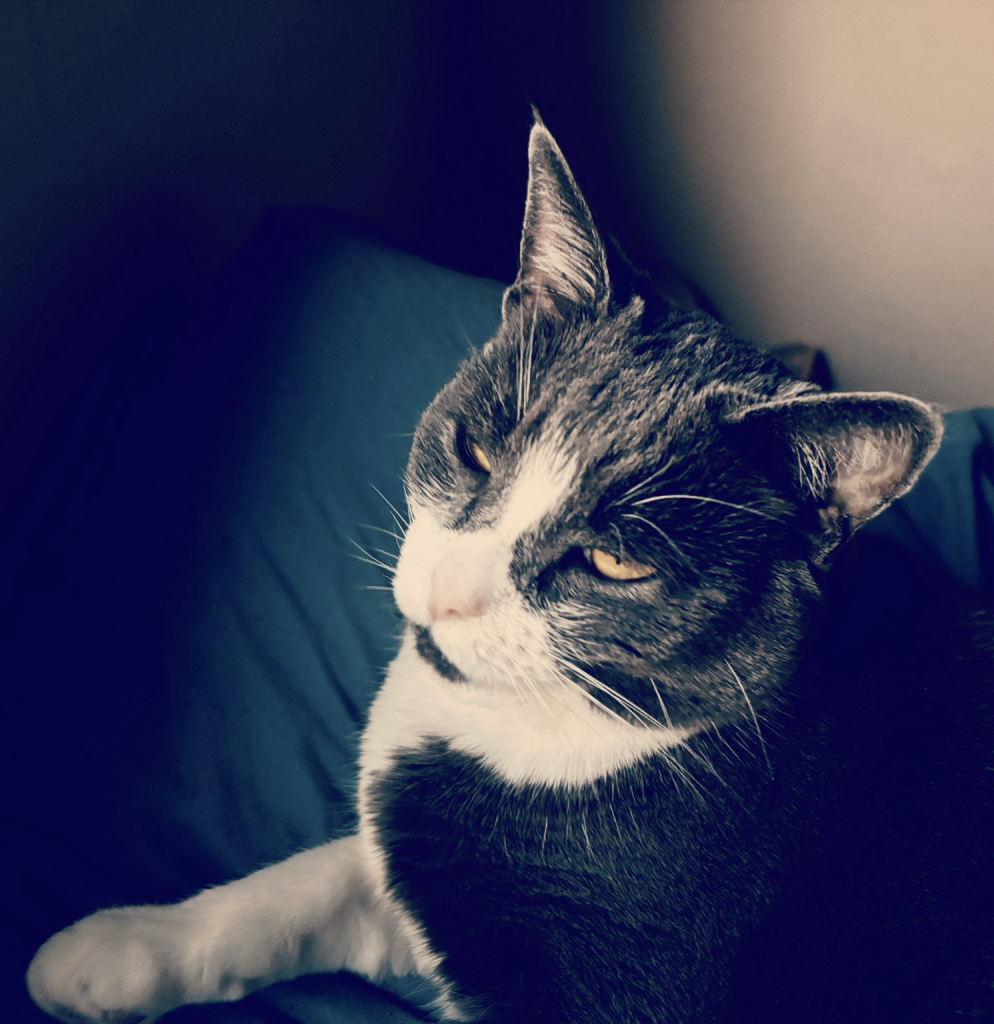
x=555, y=739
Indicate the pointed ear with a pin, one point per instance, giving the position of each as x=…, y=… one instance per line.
x=563, y=265
x=850, y=455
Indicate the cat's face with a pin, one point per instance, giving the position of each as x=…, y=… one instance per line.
x=620, y=497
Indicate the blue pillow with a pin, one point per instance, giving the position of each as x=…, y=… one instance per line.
x=947, y=519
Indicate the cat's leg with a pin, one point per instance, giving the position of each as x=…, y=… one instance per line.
x=320, y=910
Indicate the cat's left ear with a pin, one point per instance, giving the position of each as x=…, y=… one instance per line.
x=848, y=454
x=563, y=264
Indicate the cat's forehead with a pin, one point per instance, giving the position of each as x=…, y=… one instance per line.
x=592, y=388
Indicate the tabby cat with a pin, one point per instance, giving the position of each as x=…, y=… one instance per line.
x=636, y=760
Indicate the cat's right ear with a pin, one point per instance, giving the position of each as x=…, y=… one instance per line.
x=563, y=263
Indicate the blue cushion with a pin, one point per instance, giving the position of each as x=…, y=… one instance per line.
x=947, y=519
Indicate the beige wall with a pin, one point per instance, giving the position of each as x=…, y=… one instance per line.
x=832, y=179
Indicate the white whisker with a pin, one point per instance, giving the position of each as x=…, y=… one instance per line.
x=626, y=703
x=642, y=485
x=724, y=739
x=381, y=529
x=755, y=719
x=573, y=686
x=662, y=533
x=714, y=501
x=680, y=772
x=401, y=520
x=588, y=696
x=372, y=559
x=465, y=334
x=706, y=761
x=385, y=553
x=659, y=697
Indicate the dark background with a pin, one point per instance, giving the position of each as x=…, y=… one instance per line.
x=138, y=127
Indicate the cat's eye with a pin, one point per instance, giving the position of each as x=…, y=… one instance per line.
x=618, y=568
x=473, y=454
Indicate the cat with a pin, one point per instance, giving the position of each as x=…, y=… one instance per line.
x=635, y=761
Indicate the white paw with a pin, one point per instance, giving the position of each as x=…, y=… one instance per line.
x=114, y=967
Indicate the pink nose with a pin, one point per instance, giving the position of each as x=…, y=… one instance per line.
x=456, y=593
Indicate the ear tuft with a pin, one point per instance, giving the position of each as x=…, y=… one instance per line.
x=854, y=453
x=563, y=264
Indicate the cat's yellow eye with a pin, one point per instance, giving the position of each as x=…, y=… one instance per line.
x=474, y=456
x=618, y=568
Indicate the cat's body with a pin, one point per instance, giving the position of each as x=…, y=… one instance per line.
x=635, y=761
x=820, y=872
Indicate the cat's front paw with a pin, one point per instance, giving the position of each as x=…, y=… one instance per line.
x=113, y=967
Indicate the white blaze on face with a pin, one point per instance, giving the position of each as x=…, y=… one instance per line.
x=458, y=581
x=541, y=486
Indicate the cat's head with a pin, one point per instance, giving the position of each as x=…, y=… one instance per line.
x=620, y=496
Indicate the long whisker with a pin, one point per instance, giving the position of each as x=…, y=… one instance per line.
x=755, y=720
x=662, y=533
x=643, y=484
x=701, y=497
x=724, y=739
x=384, y=552
x=598, y=684
x=537, y=693
x=659, y=697
x=706, y=761
x=401, y=520
x=680, y=772
x=631, y=707
x=464, y=333
x=372, y=559
x=573, y=686
x=382, y=529
x=625, y=702
x=588, y=696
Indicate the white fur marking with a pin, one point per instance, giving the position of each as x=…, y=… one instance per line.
x=543, y=480
x=557, y=739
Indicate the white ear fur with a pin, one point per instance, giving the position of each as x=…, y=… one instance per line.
x=852, y=452
x=563, y=261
